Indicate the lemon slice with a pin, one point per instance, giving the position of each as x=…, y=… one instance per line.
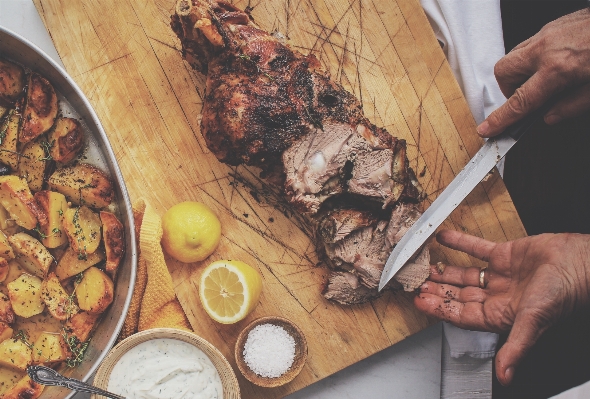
x=229, y=290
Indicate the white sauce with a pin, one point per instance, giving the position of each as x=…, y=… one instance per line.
x=165, y=369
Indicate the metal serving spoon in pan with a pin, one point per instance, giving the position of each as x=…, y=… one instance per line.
x=47, y=376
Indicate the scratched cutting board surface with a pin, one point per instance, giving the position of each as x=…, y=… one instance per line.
x=127, y=60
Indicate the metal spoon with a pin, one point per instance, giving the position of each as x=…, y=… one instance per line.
x=46, y=376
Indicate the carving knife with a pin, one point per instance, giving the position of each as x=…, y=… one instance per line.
x=480, y=165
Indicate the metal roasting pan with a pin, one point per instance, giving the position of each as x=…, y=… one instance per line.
x=72, y=102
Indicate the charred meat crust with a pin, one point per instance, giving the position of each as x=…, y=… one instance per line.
x=270, y=106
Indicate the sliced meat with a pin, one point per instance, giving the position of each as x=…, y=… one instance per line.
x=345, y=288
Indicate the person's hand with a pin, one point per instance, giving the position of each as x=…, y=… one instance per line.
x=530, y=284
x=555, y=60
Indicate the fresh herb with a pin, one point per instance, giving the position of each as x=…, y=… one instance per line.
x=56, y=230
x=60, y=212
x=22, y=336
x=47, y=146
x=38, y=231
x=77, y=349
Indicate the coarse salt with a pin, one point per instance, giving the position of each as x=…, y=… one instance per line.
x=269, y=350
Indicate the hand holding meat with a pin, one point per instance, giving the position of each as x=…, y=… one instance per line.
x=556, y=60
x=529, y=285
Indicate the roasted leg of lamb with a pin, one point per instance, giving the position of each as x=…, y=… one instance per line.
x=269, y=106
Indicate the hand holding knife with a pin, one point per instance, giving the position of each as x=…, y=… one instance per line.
x=478, y=167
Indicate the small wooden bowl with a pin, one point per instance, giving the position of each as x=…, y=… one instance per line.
x=298, y=362
x=231, y=389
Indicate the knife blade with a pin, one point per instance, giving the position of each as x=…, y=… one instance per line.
x=478, y=167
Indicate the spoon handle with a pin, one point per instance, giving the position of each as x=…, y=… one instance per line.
x=47, y=376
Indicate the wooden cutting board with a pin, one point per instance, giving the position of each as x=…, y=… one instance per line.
x=127, y=60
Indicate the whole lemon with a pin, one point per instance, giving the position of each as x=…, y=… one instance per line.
x=191, y=231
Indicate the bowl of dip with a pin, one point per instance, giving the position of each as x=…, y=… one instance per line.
x=166, y=363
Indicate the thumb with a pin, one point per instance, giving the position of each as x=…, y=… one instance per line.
x=528, y=327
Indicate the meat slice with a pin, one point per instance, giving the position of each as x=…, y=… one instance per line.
x=272, y=107
x=363, y=247
x=346, y=289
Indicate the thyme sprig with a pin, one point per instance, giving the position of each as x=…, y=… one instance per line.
x=77, y=349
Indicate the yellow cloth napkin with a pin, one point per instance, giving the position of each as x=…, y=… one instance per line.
x=154, y=303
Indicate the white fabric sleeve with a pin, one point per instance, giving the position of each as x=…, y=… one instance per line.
x=471, y=33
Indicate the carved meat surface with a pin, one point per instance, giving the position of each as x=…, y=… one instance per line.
x=270, y=106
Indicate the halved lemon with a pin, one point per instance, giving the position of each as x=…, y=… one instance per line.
x=229, y=290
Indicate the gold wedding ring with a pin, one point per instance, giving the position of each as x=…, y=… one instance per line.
x=482, y=280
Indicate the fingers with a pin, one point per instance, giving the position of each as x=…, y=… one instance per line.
x=464, y=315
x=514, y=69
x=574, y=104
x=527, y=328
x=446, y=291
x=531, y=95
x=474, y=246
x=456, y=275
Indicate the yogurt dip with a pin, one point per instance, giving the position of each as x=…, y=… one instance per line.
x=165, y=368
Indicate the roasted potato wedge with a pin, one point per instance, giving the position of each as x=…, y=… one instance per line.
x=113, y=235
x=9, y=139
x=6, y=312
x=58, y=302
x=6, y=251
x=82, y=226
x=50, y=348
x=70, y=263
x=66, y=139
x=95, y=292
x=5, y=331
x=4, y=268
x=83, y=184
x=31, y=254
x=24, y=389
x=33, y=163
x=15, y=354
x=54, y=205
x=81, y=325
x=14, y=271
x=12, y=82
x=25, y=295
x=3, y=110
x=40, y=110
x=7, y=223
x=17, y=199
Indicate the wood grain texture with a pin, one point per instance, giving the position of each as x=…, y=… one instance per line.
x=127, y=60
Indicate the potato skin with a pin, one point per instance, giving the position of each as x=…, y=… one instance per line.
x=53, y=204
x=17, y=199
x=66, y=139
x=113, y=235
x=24, y=389
x=82, y=226
x=5, y=331
x=9, y=129
x=12, y=82
x=4, y=268
x=32, y=165
x=57, y=300
x=81, y=324
x=70, y=264
x=95, y=292
x=41, y=108
x=31, y=254
x=6, y=312
x=83, y=184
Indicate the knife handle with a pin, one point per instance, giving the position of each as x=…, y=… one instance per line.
x=517, y=129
